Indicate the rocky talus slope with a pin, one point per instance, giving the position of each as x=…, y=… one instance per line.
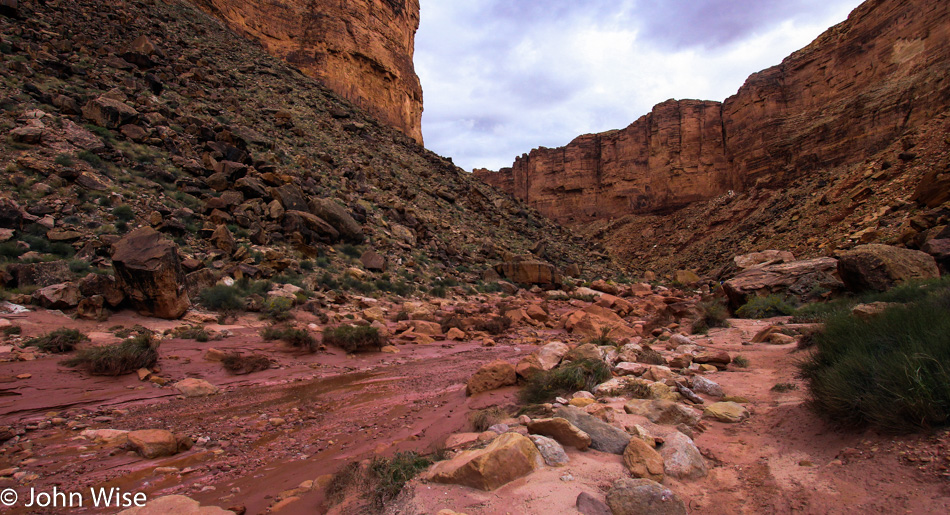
x=146, y=114
x=858, y=97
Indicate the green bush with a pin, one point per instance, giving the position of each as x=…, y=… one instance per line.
x=568, y=378
x=278, y=308
x=221, y=297
x=196, y=333
x=294, y=337
x=712, y=313
x=891, y=372
x=123, y=212
x=114, y=360
x=392, y=474
x=766, y=307
x=354, y=338
x=58, y=341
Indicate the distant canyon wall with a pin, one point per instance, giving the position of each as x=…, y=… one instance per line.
x=361, y=49
x=847, y=95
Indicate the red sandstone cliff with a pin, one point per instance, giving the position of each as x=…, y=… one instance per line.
x=839, y=100
x=362, y=49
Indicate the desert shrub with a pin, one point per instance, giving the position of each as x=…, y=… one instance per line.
x=123, y=212
x=64, y=160
x=221, y=297
x=712, y=313
x=401, y=315
x=350, y=250
x=891, y=372
x=765, y=307
x=114, y=360
x=569, y=377
x=278, y=308
x=196, y=333
x=493, y=325
x=650, y=357
x=391, y=474
x=481, y=420
x=740, y=361
x=492, y=287
x=821, y=311
x=347, y=478
x=294, y=337
x=11, y=330
x=354, y=338
x=58, y=341
x=239, y=364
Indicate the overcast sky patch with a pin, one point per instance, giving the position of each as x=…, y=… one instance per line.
x=501, y=77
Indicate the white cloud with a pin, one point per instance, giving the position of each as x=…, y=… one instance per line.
x=501, y=80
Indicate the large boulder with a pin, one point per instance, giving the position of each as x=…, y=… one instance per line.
x=880, y=267
x=604, y=437
x=148, y=270
x=109, y=113
x=350, y=230
x=643, y=497
x=508, y=457
x=799, y=278
x=492, y=376
x=311, y=227
x=939, y=248
x=529, y=272
x=681, y=458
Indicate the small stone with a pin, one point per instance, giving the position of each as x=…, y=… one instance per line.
x=729, y=412
x=553, y=453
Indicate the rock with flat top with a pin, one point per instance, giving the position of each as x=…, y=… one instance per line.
x=562, y=431
x=508, y=457
x=604, y=437
x=177, y=504
x=491, y=377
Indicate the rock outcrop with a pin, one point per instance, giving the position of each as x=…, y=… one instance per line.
x=881, y=267
x=844, y=97
x=148, y=270
x=362, y=50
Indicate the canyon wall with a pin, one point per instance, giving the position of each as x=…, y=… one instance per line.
x=361, y=49
x=837, y=101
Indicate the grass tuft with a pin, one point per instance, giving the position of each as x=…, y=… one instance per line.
x=299, y=338
x=712, y=313
x=766, y=307
x=58, y=341
x=114, y=360
x=891, y=372
x=392, y=474
x=570, y=377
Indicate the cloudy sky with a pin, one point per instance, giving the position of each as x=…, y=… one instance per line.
x=504, y=76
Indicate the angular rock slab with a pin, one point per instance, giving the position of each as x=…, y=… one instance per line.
x=553, y=453
x=492, y=376
x=148, y=270
x=729, y=412
x=604, y=437
x=643, y=461
x=177, y=504
x=509, y=457
x=643, y=496
x=562, y=431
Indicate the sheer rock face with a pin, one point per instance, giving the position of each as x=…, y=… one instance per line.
x=361, y=49
x=838, y=101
